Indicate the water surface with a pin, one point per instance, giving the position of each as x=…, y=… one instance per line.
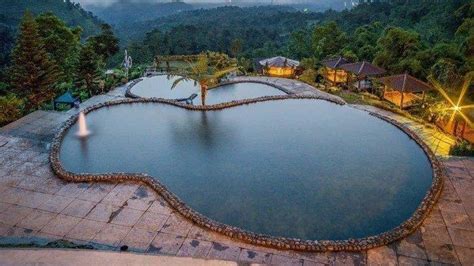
x=295, y=168
x=160, y=87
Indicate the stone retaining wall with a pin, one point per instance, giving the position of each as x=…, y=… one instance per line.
x=385, y=238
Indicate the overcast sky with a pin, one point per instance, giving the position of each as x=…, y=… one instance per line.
x=108, y=2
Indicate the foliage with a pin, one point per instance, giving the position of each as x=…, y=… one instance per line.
x=105, y=44
x=299, y=44
x=309, y=76
x=11, y=12
x=328, y=39
x=397, y=51
x=236, y=47
x=11, y=108
x=60, y=42
x=89, y=69
x=33, y=73
x=7, y=41
x=462, y=148
x=245, y=65
x=205, y=71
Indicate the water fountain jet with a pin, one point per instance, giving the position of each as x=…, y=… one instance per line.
x=82, y=132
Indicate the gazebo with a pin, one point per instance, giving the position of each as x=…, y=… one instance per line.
x=67, y=99
x=361, y=71
x=332, y=70
x=404, y=90
x=279, y=66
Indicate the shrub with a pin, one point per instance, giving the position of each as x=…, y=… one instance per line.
x=309, y=76
x=462, y=148
x=12, y=108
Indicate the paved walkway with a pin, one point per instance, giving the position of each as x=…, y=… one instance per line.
x=38, y=209
x=81, y=257
x=292, y=85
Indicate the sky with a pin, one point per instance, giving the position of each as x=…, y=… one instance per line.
x=108, y=2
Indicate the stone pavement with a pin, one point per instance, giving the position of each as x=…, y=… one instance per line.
x=38, y=209
x=81, y=257
x=292, y=85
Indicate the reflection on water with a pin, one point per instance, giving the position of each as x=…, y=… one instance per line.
x=295, y=168
x=160, y=87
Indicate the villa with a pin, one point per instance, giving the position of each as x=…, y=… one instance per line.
x=332, y=71
x=279, y=66
x=404, y=90
x=361, y=72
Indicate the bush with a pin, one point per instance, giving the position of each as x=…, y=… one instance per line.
x=309, y=76
x=462, y=148
x=12, y=108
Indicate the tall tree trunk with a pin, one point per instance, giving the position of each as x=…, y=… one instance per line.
x=203, y=94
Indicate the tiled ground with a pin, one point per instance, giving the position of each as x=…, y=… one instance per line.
x=36, y=206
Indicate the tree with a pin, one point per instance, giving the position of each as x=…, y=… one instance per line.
x=11, y=108
x=60, y=42
x=328, y=39
x=105, y=44
x=89, y=69
x=7, y=41
x=299, y=45
x=33, y=74
x=201, y=73
x=398, y=50
x=245, y=65
x=364, y=40
x=236, y=47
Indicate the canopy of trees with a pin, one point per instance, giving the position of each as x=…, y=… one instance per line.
x=48, y=58
x=420, y=37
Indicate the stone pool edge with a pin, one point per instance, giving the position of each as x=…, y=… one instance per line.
x=360, y=244
x=130, y=94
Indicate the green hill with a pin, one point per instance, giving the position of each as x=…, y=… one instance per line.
x=11, y=12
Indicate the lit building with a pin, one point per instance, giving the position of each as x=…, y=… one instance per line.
x=359, y=74
x=332, y=71
x=404, y=90
x=279, y=66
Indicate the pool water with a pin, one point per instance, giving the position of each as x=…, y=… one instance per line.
x=298, y=168
x=160, y=87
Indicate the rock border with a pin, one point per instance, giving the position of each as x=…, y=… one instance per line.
x=403, y=230
x=130, y=94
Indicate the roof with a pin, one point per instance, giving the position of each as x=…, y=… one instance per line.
x=363, y=68
x=405, y=83
x=279, y=61
x=66, y=98
x=334, y=62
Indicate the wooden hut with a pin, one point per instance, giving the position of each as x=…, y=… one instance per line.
x=403, y=90
x=360, y=73
x=279, y=66
x=332, y=71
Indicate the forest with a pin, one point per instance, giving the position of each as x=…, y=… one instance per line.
x=50, y=58
x=420, y=37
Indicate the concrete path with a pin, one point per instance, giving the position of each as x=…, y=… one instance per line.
x=295, y=86
x=38, y=209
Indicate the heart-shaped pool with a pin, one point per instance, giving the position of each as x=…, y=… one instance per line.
x=298, y=168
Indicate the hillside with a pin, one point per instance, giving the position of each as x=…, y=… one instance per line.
x=273, y=21
x=12, y=11
x=126, y=11
x=266, y=30
x=73, y=14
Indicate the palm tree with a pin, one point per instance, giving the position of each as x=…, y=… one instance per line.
x=201, y=73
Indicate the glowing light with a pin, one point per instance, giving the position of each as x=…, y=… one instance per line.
x=456, y=106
